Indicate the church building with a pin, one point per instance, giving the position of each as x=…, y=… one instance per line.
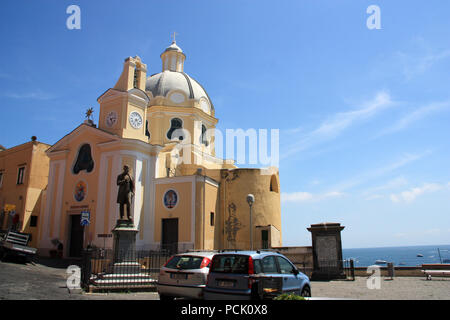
x=162, y=127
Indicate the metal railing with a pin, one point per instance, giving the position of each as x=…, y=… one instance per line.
x=335, y=267
x=349, y=268
x=136, y=269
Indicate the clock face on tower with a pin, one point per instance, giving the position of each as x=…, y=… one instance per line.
x=135, y=119
x=111, y=119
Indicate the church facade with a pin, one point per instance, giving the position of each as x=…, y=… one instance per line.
x=162, y=127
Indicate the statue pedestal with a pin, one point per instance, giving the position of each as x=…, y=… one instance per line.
x=124, y=247
x=327, y=251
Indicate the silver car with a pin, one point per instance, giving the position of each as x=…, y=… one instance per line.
x=252, y=275
x=184, y=275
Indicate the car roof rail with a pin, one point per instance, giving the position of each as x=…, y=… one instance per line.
x=230, y=250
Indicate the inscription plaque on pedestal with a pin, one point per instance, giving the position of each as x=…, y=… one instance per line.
x=124, y=241
x=327, y=251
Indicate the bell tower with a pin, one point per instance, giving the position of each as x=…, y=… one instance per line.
x=123, y=108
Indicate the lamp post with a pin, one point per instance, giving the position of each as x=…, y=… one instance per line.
x=250, y=201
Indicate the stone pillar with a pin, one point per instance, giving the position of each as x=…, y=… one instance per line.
x=124, y=247
x=327, y=251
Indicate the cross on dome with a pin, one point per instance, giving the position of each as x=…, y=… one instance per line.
x=173, y=36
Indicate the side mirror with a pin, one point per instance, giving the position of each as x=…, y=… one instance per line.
x=296, y=272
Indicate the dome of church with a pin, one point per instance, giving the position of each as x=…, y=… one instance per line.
x=162, y=83
x=173, y=47
x=174, y=79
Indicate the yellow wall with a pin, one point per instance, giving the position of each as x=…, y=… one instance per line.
x=182, y=211
x=211, y=194
x=27, y=197
x=235, y=185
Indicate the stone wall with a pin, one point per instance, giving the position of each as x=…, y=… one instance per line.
x=302, y=257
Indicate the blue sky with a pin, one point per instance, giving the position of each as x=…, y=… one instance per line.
x=363, y=114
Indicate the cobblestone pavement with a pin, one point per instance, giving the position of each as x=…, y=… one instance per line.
x=400, y=288
x=46, y=280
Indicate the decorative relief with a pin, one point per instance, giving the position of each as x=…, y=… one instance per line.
x=80, y=191
x=232, y=225
x=170, y=199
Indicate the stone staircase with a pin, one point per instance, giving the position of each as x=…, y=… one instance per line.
x=124, y=276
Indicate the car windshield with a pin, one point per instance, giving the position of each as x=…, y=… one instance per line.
x=230, y=264
x=185, y=262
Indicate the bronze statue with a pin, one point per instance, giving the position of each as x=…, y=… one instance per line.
x=126, y=191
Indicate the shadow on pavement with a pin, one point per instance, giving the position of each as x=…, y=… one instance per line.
x=15, y=259
x=55, y=262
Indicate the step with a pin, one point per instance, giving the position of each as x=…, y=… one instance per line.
x=139, y=287
x=124, y=276
x=126, y=267
x=105, y=282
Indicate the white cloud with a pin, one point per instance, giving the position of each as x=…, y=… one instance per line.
x=415, y=65
x=296, y=196
x=410, y=195
x=33, y=95
x=419, y=57
x=374, y=197
x=377, y=172
x=417, y=115
x=299, y=197
x=391, y=184
x=421, y=233
x=337, y=123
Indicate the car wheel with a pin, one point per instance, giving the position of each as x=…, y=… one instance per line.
x=163, y=297
x=254, y=294
x=306, y=292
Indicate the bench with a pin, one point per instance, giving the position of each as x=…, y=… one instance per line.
x=439, y=273
x=16, y=243
x=439, y=270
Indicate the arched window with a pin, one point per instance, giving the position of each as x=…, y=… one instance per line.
x=136, y=78
x=203, y=136
x=274, y=184
x=147, y=132
x=84, y=160
x=175, y=124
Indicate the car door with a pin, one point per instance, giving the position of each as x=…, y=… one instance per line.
x=291, y=280
x=272, y=277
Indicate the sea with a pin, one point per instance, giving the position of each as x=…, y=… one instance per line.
x=410, y=256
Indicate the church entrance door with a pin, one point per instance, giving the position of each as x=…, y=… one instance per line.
x=169, y=238
x=76, y=236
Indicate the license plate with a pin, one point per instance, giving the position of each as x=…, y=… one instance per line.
x=178, y=276
x=226, y=284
